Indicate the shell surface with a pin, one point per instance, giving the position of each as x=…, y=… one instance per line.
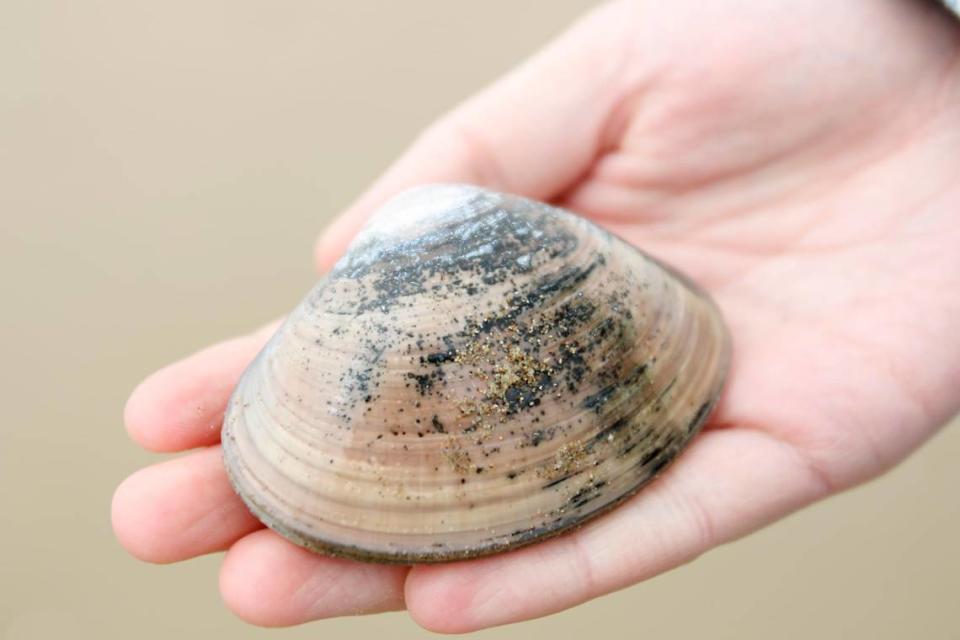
x=478, y=372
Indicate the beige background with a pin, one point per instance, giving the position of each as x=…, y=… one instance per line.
x=164, y=168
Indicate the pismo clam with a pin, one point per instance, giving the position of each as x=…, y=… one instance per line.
x=480, y=371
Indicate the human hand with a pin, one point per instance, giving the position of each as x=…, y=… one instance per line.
x=798, y=160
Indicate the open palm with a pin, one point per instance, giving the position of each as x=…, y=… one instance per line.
x=799, y=160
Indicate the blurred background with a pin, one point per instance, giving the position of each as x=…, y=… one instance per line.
x=164, y=170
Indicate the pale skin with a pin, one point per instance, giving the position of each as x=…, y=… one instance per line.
x=799, y=160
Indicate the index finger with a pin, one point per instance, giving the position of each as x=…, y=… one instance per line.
x=181, y=406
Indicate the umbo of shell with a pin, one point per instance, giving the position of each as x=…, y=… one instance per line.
x=480, y=371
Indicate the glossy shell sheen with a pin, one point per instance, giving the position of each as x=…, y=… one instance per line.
x=480, y=371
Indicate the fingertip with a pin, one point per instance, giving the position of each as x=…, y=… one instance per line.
x=178, y=407
x=131, y=521
x=179, y=509
x=330, y=245
x=244, y=584
x=134, y=411
x=270, y=582
x=320, y=260
x=181, y=406
x=144, y=417
x=440, y=600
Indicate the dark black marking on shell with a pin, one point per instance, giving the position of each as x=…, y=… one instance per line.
x=490, y=248
x=408, y=269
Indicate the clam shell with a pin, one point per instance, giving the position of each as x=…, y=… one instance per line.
x=480, y=371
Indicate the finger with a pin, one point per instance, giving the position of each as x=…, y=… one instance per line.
x=181, y=406
x=268, y=581
x=534, y=132
x=727, y=484
x=180, y=509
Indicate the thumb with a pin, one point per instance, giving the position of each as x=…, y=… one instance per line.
x=534, y=132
